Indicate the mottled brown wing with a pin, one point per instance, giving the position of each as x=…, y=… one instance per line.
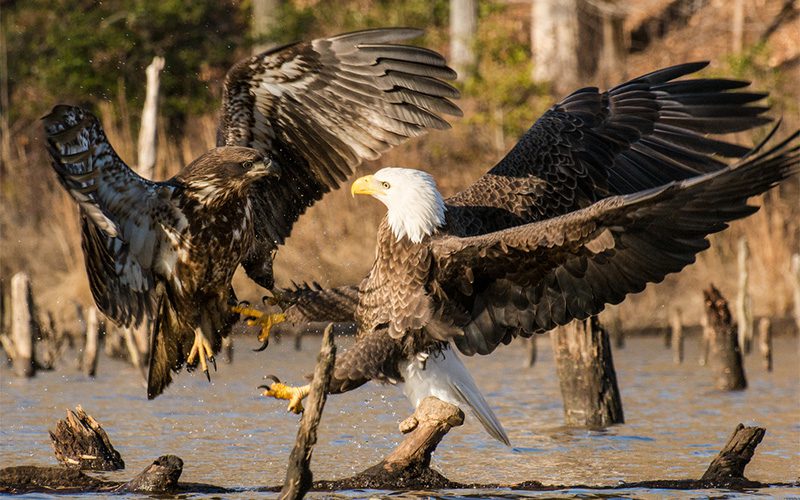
x=122, y=214
x=308, y=303
x=319, y=109
x=641, y=134
x=534, y=277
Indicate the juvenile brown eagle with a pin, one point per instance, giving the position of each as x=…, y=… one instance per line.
x=605, y=193
x=295, y=122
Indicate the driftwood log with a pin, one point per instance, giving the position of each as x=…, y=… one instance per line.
x=80, y=442
x=298, y=475
x=586, y=374
x=725, y=356
x=408, y=465
x=160, y=477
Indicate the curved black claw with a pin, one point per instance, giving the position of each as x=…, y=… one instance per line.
x=213, y=362
x=263, y=346
x=275, y=380
x=208, y=375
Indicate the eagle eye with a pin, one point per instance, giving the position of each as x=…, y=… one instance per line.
x=385, y=185
x=247, y=165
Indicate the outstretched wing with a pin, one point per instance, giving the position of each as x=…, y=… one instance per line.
x=319, y=108
x=536, y=276
x=121, y=212
x=639, y=135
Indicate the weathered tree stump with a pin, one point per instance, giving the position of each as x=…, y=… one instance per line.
x=298, y=476
x=676, y=325
x=92, y=334
x=408, y=465
x=531, y=350
x=765, y=342
x=23, y=325
x=586, y=374
x=744, y=305
x=735, y=455
x=725, y=355
x=80, y=442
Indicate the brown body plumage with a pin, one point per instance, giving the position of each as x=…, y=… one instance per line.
x=167, y=250
x=605, y=193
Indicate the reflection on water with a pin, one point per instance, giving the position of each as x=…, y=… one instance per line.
x=230, y=436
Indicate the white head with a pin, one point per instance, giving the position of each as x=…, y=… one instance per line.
x=416, y=207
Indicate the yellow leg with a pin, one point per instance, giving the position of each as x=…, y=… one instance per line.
x=294, y=395
x=256, y=317
x=202, y=351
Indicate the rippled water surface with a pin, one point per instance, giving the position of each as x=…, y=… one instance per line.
x=230, y=436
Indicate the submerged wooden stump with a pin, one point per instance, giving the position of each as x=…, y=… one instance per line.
x=586, y=374
x=80, y=442
x=23, y=325
x=725, y=356
x=735, y=455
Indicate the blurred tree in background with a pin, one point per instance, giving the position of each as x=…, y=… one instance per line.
x=82, y=51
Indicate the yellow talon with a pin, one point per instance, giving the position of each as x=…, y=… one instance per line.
x=267, y=321
x=202, y=351
x=294, y=395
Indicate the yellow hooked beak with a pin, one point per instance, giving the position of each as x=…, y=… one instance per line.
x=366, y=185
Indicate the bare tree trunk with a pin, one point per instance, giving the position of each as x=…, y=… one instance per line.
x=726, y=358
x=147, y=130
x=23, y=325
x=463, y=28
x=92, y=326
x=298, y=475
x=705, y=340
x=765, y=342
x=737, y=26
x=264, y=22
x=744, y=307
x=531, y=350
x=554, y=43
x=611, y=66
x=676, y=326
x=5, y=136
x=586, y=373
x=794, y=280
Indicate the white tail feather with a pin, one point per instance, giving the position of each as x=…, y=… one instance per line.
x=444, y=376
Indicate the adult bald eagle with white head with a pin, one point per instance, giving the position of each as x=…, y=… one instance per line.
x=296, y=120
x=605, y=193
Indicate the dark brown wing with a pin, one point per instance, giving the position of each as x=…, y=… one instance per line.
x=123, y=215
x=536, y=276
x=639, y=135
x=319, y=108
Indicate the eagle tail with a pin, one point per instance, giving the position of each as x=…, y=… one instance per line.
x=164, y=353
x=443, y=375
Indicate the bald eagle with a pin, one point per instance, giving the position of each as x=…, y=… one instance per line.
x=295, y=122
x=605, y=193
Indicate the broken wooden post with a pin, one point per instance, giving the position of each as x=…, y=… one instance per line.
x=298, y=339
x=794, y=281
x=586, y=374
x=531, y=351
x=617, y=332
x=130, y=344
x=299, y=476
x=676, y=326
x=735, y=455
x=765, y=342
x=725, y=355
x=80, y=442
x=705, y=340
x=23, y=326
x=147, y=130
x=227, y=348
x=92, y=332
x=744, y=307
